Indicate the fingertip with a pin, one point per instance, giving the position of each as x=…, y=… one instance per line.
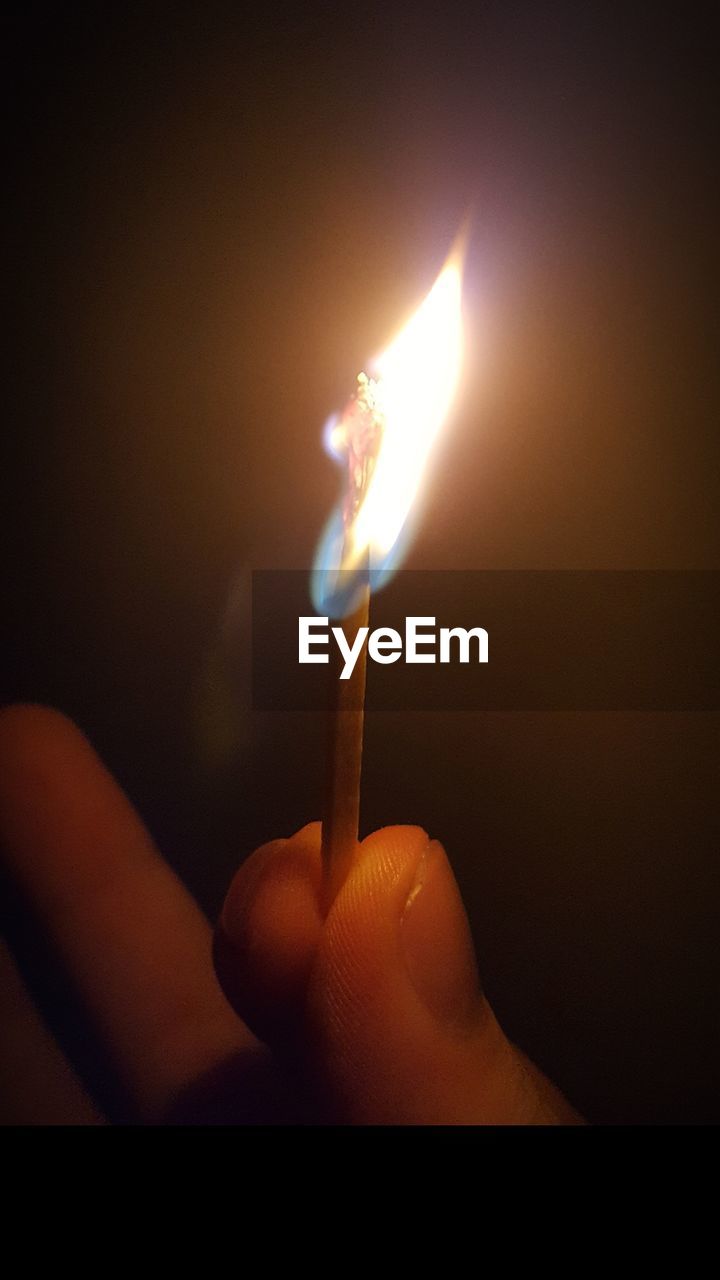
x=241, y=893
x=14, y=715
x=268, y=931
x=400, y=836
x=28, y=728
x=308, y=837
x=63, y=818
x=292, y=858
x=384, y=869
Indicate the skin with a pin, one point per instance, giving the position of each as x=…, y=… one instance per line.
x=371, y=1013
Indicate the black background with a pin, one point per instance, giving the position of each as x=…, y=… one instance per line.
x=215, y=216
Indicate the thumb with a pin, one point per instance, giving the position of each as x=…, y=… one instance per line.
x=377, y=1007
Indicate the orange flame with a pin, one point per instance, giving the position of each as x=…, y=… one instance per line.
x=417, y=376
x=413, y=384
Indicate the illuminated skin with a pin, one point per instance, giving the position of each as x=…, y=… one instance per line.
x=372, y=1015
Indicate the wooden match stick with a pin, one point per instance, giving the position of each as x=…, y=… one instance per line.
x=341, y=813
x=362, y=426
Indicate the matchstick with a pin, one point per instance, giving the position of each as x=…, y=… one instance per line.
x=344, y=761
x=361, y=428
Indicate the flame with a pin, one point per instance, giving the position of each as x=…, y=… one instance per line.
x=414, y=381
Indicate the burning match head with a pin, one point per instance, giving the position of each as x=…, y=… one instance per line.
x=361, y=427
x=384, y=437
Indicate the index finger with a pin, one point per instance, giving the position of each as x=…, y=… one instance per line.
x=129, y=934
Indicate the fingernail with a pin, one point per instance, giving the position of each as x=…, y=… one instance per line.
x=437, y=943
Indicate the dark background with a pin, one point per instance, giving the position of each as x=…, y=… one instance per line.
x=215, y=217
x=574, y=640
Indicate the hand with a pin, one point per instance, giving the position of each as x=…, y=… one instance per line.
x=374, y=1015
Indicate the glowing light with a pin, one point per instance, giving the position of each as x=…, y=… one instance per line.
x=417, y=375
x=411, y=388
